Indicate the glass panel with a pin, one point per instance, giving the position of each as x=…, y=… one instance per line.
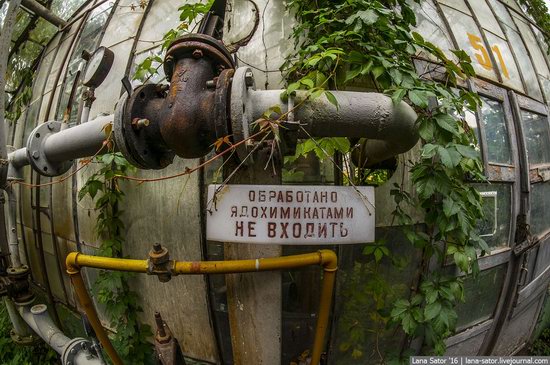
x=538, y=58
x=525, y=65
x=505, y=62
x=430, y=25
x=485, y=17
x=360, y=326
x=469, y=39
x=540, y=208
x=502, y=14
x=481, y=297
x=457, y=4
x=496, y=132
x=537, y=137
x=88, y=41
x=471, y=120
x=66, y=8
x=497, y=208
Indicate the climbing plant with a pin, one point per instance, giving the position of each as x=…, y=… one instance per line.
x=538, y=10
x=370, y=44
x=112, y=287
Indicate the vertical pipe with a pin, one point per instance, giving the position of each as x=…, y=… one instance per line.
x=13, y=241
x=327, y=291
x=5, y=41
x=88, y=308
x=20, y=327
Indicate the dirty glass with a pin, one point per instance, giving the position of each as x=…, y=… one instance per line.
x=540, y=208
x=89, y=39
x=359, y=335
x=486, y=291
x=525, y=65
x=66, y=8
x=496, y=131
x=502, y=14
x=457, y=4
x=471, y=120
x=430, y=25
x=494, y=228
x=485, y=17
x=537, y=137
x=469, y=39
x=505, y=62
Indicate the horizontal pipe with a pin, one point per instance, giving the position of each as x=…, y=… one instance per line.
x=80, y=141
x=390, y=128
x=43, y=12
x=19, y=158
x=75, y=261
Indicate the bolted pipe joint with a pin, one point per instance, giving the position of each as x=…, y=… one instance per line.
x=184, y=120
x=159, y=263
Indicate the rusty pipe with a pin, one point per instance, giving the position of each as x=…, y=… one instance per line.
x=326, y=258
x=390, y=129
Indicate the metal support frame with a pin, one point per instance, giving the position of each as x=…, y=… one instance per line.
x=43, y=12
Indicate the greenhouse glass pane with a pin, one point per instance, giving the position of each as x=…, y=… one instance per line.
x=537, y=137
x=496, y=132
x=540, y=208
x=481, y=295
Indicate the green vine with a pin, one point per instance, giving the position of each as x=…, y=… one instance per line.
x=539, y=11
x=370, y=44
x=111, y=287
x=150, y=66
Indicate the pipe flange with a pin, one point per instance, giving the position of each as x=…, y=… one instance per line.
x=118, y=133
x=240, y=111
x=197, y=46
x=138, y=129
x=221, y=98
x=35, y=149
x=23, y=340
x=74, y=348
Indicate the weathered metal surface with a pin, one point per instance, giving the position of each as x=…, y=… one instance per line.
x=254, y=301
x=290, y=215
x=168, y=212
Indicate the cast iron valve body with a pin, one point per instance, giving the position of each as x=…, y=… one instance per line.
x=181, y=119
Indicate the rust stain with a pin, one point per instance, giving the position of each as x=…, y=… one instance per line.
x=195, y=267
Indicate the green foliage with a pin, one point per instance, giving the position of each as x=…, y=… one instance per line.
x=13, y=354
x=539, y=11
x=541, y=346
x=370, y=44
x=188, y=14
x=112, y=289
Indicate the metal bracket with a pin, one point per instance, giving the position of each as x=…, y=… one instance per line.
x=523, y=236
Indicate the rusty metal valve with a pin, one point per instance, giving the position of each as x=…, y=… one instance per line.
x=167, y=347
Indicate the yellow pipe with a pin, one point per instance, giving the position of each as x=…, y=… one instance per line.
x=325, y=258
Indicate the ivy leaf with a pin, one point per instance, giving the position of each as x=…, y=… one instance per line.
x=418, y=98
x=368, y=17
x=330, y=97
x=432, y=310
x=445, y=157
x=447, y=122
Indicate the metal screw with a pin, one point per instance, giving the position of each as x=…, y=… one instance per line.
x=139, y=123
x=210, y=84
x=50, y=126
x=35, y=155
x=157, y=248
x=249, y=78
x=197, y=53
